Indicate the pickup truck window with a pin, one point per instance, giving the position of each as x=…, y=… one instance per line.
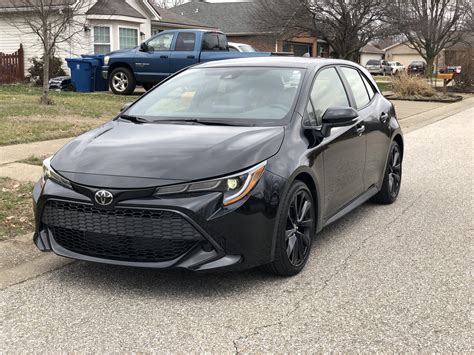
x=234, y=95
x=214, y=42
x=161, y=42
x=185, y=41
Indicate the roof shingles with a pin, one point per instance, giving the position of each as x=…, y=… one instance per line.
x=231, y=18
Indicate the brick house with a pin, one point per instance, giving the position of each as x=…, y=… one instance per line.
x=235, y=19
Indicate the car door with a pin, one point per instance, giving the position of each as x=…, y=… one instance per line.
x=185, y=51
x=153, y=64
x=344, y=147
x=374, y=111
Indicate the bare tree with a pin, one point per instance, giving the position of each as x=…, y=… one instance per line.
x=167, y=4
x=430, y=25
x=53, y=22
x=347, y=25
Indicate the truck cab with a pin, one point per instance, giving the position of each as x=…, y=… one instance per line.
x=163, y=55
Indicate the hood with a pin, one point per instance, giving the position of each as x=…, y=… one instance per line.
x=123, y=154
x=119, y=52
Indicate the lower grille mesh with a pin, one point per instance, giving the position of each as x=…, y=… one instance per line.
x=126, y=234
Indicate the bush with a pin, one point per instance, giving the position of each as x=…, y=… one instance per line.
x=405, y=86
x=465, y=80
x=36, y=70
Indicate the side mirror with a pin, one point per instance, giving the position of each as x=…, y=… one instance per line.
x=338, y=117
x=125, y=106
x=144, y=47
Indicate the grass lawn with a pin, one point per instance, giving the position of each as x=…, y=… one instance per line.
x=16, y=211
x=23, y=120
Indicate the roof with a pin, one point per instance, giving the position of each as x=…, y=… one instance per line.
x=274, y=61
x=370, y=48
x=231, y=17
x=169, y=17
x=113, y=7
x=22, y=4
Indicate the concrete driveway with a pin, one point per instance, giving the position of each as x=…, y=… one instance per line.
x=385, y=278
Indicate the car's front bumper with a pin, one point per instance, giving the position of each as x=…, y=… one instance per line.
x=70, y=224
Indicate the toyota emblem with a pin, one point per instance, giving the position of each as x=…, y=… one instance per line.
x=103, y=197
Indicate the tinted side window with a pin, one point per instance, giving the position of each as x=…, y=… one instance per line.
x=161, y=42
x=214, y=42
x=185, y=41
x=369, y=87
x=327, y=91
x=357, y=86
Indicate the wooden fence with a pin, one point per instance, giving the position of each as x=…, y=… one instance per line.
x=12, y=67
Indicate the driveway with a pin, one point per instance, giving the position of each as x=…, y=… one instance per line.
x=385, y=278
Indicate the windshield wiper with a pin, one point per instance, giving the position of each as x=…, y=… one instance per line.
x=202, y=122
x=134, y=119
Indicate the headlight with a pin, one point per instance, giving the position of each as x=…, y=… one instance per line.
x=234, y=187
x=50, y=174
x=106, y=60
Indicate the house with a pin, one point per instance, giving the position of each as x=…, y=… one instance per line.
x=370, y=52
x=108, y=25
x=235, y=19
x=402, y=52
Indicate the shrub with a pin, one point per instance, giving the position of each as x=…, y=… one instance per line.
x=36, y=69
x=465, y=80
x=405, y=85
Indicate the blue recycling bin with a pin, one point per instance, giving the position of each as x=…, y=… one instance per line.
x=83, y=73
x=100, y=83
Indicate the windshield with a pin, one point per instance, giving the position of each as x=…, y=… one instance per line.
x=223, y=94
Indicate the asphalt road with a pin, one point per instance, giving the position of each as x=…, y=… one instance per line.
x=385, y=278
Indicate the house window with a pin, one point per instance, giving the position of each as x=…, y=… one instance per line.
x=101, y=40
x=128, y=38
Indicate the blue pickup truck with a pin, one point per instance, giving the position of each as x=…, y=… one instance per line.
x=165, y=54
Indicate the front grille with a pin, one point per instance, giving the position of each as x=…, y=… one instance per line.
x=127, y=234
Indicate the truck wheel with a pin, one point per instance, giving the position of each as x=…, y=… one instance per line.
x=148, y=86
x=122, y=81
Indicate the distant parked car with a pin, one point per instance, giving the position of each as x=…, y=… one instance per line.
x=241, y=47
x=378, y=66
x=62, y=83
x=417, y=67
x=451, y=69
x=397, y=68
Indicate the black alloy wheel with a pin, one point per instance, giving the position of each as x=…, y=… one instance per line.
x=296, y=229
x=393, y=177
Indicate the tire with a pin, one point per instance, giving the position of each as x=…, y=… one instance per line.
x=122, y=81
x=392, y=178
x=148, y=86
x=296, y=227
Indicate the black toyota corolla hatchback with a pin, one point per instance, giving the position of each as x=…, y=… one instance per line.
x=224, y=166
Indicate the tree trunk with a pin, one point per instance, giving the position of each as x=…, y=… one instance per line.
x=44, y=96
x=429, y=66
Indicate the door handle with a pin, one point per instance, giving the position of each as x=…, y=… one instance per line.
x=360, y=130
x=384, y=117
x=164, y=57
x=191, y=57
